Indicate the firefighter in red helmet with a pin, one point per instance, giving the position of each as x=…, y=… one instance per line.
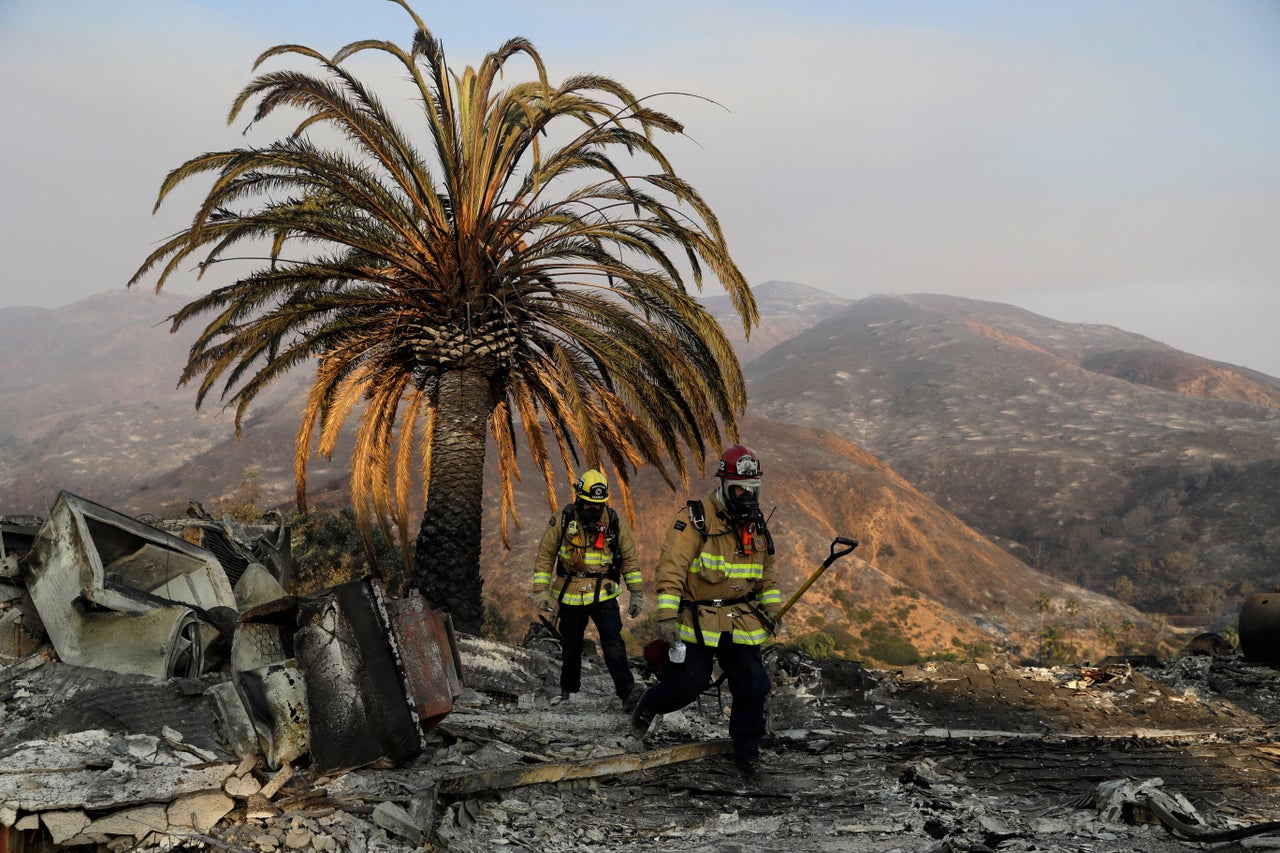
x=717, y=596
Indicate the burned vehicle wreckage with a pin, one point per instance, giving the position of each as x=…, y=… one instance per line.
x=160, y=688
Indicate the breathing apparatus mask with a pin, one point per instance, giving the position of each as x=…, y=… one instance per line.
x=739, y=496
x=741, y=499
x=589, y=512
x=739, y=473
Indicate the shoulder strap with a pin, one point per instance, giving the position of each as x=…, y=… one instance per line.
x=565, y=514
x=698, y=517
x=615, y=547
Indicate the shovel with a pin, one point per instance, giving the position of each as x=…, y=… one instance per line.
x=849, y=545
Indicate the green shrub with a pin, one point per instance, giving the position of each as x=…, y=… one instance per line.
x=818, y=645
x=894, y=651
x=844, y=640
x=886, y=644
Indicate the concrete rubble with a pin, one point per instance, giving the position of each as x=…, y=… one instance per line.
x=1125, y=755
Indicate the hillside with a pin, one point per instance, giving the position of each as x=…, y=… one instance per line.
x=1090, y=452
x=89, y=403
x=918, y=574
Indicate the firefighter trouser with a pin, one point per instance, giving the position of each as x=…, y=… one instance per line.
x=573, y=623
x=682, y=683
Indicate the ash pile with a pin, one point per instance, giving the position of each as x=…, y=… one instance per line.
x=159, y=690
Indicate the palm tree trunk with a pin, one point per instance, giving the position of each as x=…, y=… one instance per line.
x=446, y=560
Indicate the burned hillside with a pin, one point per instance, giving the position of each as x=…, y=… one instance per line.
x=1090, y=453
x=1145, y=478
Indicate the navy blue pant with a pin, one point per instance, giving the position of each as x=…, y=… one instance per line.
x=682, y=683
x=573, y=623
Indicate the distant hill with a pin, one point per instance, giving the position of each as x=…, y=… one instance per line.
x=1088, y=451
x=786, y=309
x=89, y=403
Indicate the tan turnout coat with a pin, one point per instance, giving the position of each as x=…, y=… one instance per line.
x=574, y=551
x=692, y=567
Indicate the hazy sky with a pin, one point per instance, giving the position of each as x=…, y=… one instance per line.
x=1110, y=162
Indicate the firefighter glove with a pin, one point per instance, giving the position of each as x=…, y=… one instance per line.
x=637, y=604
x=669, y=631
x=546, y=600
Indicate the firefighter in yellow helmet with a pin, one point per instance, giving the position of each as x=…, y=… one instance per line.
x=718, y=601
x=587, y=554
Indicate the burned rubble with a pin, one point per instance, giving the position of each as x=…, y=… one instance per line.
x=231, y=715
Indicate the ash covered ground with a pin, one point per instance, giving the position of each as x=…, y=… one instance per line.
x=939, y=757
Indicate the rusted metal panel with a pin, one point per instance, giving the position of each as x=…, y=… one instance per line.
x=428, y=656
x=359, y=711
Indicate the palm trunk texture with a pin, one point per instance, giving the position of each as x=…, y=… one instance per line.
x=446, y=562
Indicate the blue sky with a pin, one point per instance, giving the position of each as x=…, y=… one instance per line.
x=1109, y=162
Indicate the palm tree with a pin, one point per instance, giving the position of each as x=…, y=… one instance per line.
x=515, y=277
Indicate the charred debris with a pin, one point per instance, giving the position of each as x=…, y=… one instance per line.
x=161, y=689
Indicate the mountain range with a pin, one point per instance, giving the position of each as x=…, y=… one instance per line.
x=1003, y=472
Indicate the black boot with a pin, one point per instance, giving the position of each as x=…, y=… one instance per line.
x=633, y=697
x=641, y=717
x=753, y=775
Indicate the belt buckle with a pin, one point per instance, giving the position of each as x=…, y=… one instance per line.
x=717, y=602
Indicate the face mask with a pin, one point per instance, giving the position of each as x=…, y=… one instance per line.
x=742, y=498
x=590, y=512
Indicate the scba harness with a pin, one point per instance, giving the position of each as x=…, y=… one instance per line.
x=606, y=536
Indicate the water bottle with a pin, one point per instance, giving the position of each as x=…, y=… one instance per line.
x=676, y=653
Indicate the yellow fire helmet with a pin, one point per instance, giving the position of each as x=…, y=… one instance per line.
x=592, y=486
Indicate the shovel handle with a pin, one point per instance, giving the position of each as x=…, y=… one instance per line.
x=849, y=544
